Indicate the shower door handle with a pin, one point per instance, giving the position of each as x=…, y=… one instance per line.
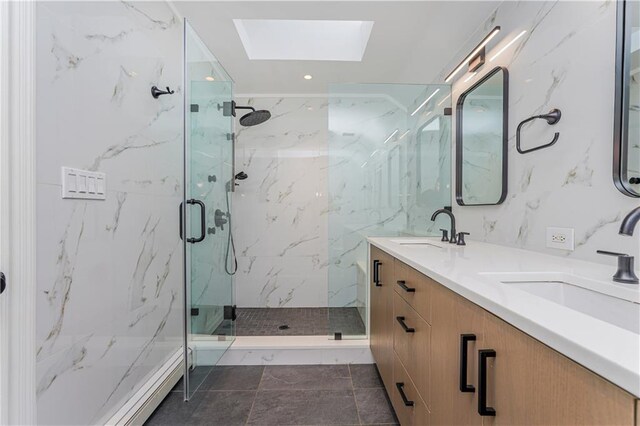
x=203, y=225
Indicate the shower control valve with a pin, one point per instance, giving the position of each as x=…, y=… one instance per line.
x=219, y=219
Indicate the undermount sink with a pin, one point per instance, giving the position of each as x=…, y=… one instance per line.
x=609, y=302
x=425, y=241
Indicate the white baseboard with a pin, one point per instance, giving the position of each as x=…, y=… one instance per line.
x=144, y=402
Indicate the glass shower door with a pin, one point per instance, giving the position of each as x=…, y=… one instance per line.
x=210, y=296
x=389, y=156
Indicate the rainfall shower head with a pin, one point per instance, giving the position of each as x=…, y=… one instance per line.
x=251, y=119
x=255, y=117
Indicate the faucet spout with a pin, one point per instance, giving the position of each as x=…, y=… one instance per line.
x=629, y=223
x=453, y=222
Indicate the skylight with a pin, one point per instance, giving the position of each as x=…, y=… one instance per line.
x=304, y=40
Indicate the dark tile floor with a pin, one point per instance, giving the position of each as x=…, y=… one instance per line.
x=300, y=322
x=280, y=395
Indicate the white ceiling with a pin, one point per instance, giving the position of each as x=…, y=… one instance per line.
x=411, y=41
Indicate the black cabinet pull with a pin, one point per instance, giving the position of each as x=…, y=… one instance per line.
x=406, y=400
x=464, y=340
x=3, y=282
x=203, y=219
x=483, y=354
x=404, y=326
x=376, y=273
x=403, y=285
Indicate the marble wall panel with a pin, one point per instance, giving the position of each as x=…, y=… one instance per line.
x=570, y=184
x=109, y=272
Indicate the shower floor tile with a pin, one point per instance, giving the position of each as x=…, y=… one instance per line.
x=298, y=322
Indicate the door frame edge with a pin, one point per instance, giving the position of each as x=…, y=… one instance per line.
x=18, y=211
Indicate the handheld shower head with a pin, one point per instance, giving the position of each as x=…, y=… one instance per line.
x=241, y=176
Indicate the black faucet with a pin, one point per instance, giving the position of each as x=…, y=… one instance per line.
x=625, y=273
x=629, y=223
x=448, y=212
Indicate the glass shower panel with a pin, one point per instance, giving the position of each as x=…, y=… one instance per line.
x=209, y=169
x=389, y=156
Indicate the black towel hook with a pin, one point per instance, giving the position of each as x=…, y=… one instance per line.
x=156, y=93
x=552, y=118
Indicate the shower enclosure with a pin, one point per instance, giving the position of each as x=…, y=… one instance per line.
x=210, y=296
x=383, y=167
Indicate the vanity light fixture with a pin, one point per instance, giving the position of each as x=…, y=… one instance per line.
x=425, y=102
x=444, y=99
x=209, y=78
x=470, y=76
x=389, y=138
x=404, y=134
x=506, y=46
x=478, y=49
x=308, y=77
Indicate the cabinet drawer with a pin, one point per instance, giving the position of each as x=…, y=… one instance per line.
x=414, y=288
x=412, y=344
x=413, y=411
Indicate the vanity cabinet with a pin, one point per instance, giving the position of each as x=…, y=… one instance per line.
x=445, y=360
x=457, y=335
x=529, y=383
x=381, y=325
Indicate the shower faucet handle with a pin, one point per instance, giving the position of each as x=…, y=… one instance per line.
x=219, y=219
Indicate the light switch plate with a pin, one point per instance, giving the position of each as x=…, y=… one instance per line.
x=83, y=184
x=561, y=238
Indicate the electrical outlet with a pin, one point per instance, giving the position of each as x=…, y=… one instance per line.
x=560, y=238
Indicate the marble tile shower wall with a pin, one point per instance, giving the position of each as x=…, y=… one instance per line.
x=569, y=184
x=281, y=210
x=109, y=272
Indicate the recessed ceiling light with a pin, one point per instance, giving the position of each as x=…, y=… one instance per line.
x=209, y=78
x=308, y=77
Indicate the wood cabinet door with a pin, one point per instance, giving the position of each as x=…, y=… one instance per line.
x=381, y=299
x=452, y=318
x=405, y=398
x=412, y=345
x=529, y=383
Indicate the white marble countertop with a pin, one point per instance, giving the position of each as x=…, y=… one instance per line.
x=608, y=350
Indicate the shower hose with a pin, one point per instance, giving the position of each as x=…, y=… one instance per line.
x=230, y=245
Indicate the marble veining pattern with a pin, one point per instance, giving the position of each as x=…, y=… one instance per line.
x=281, y=211
x=569, y=184
x=109, y=272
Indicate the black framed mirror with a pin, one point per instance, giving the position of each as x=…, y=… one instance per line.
x=481, y=141
x=626, y=137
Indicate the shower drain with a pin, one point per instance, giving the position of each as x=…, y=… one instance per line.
x=283, y=327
